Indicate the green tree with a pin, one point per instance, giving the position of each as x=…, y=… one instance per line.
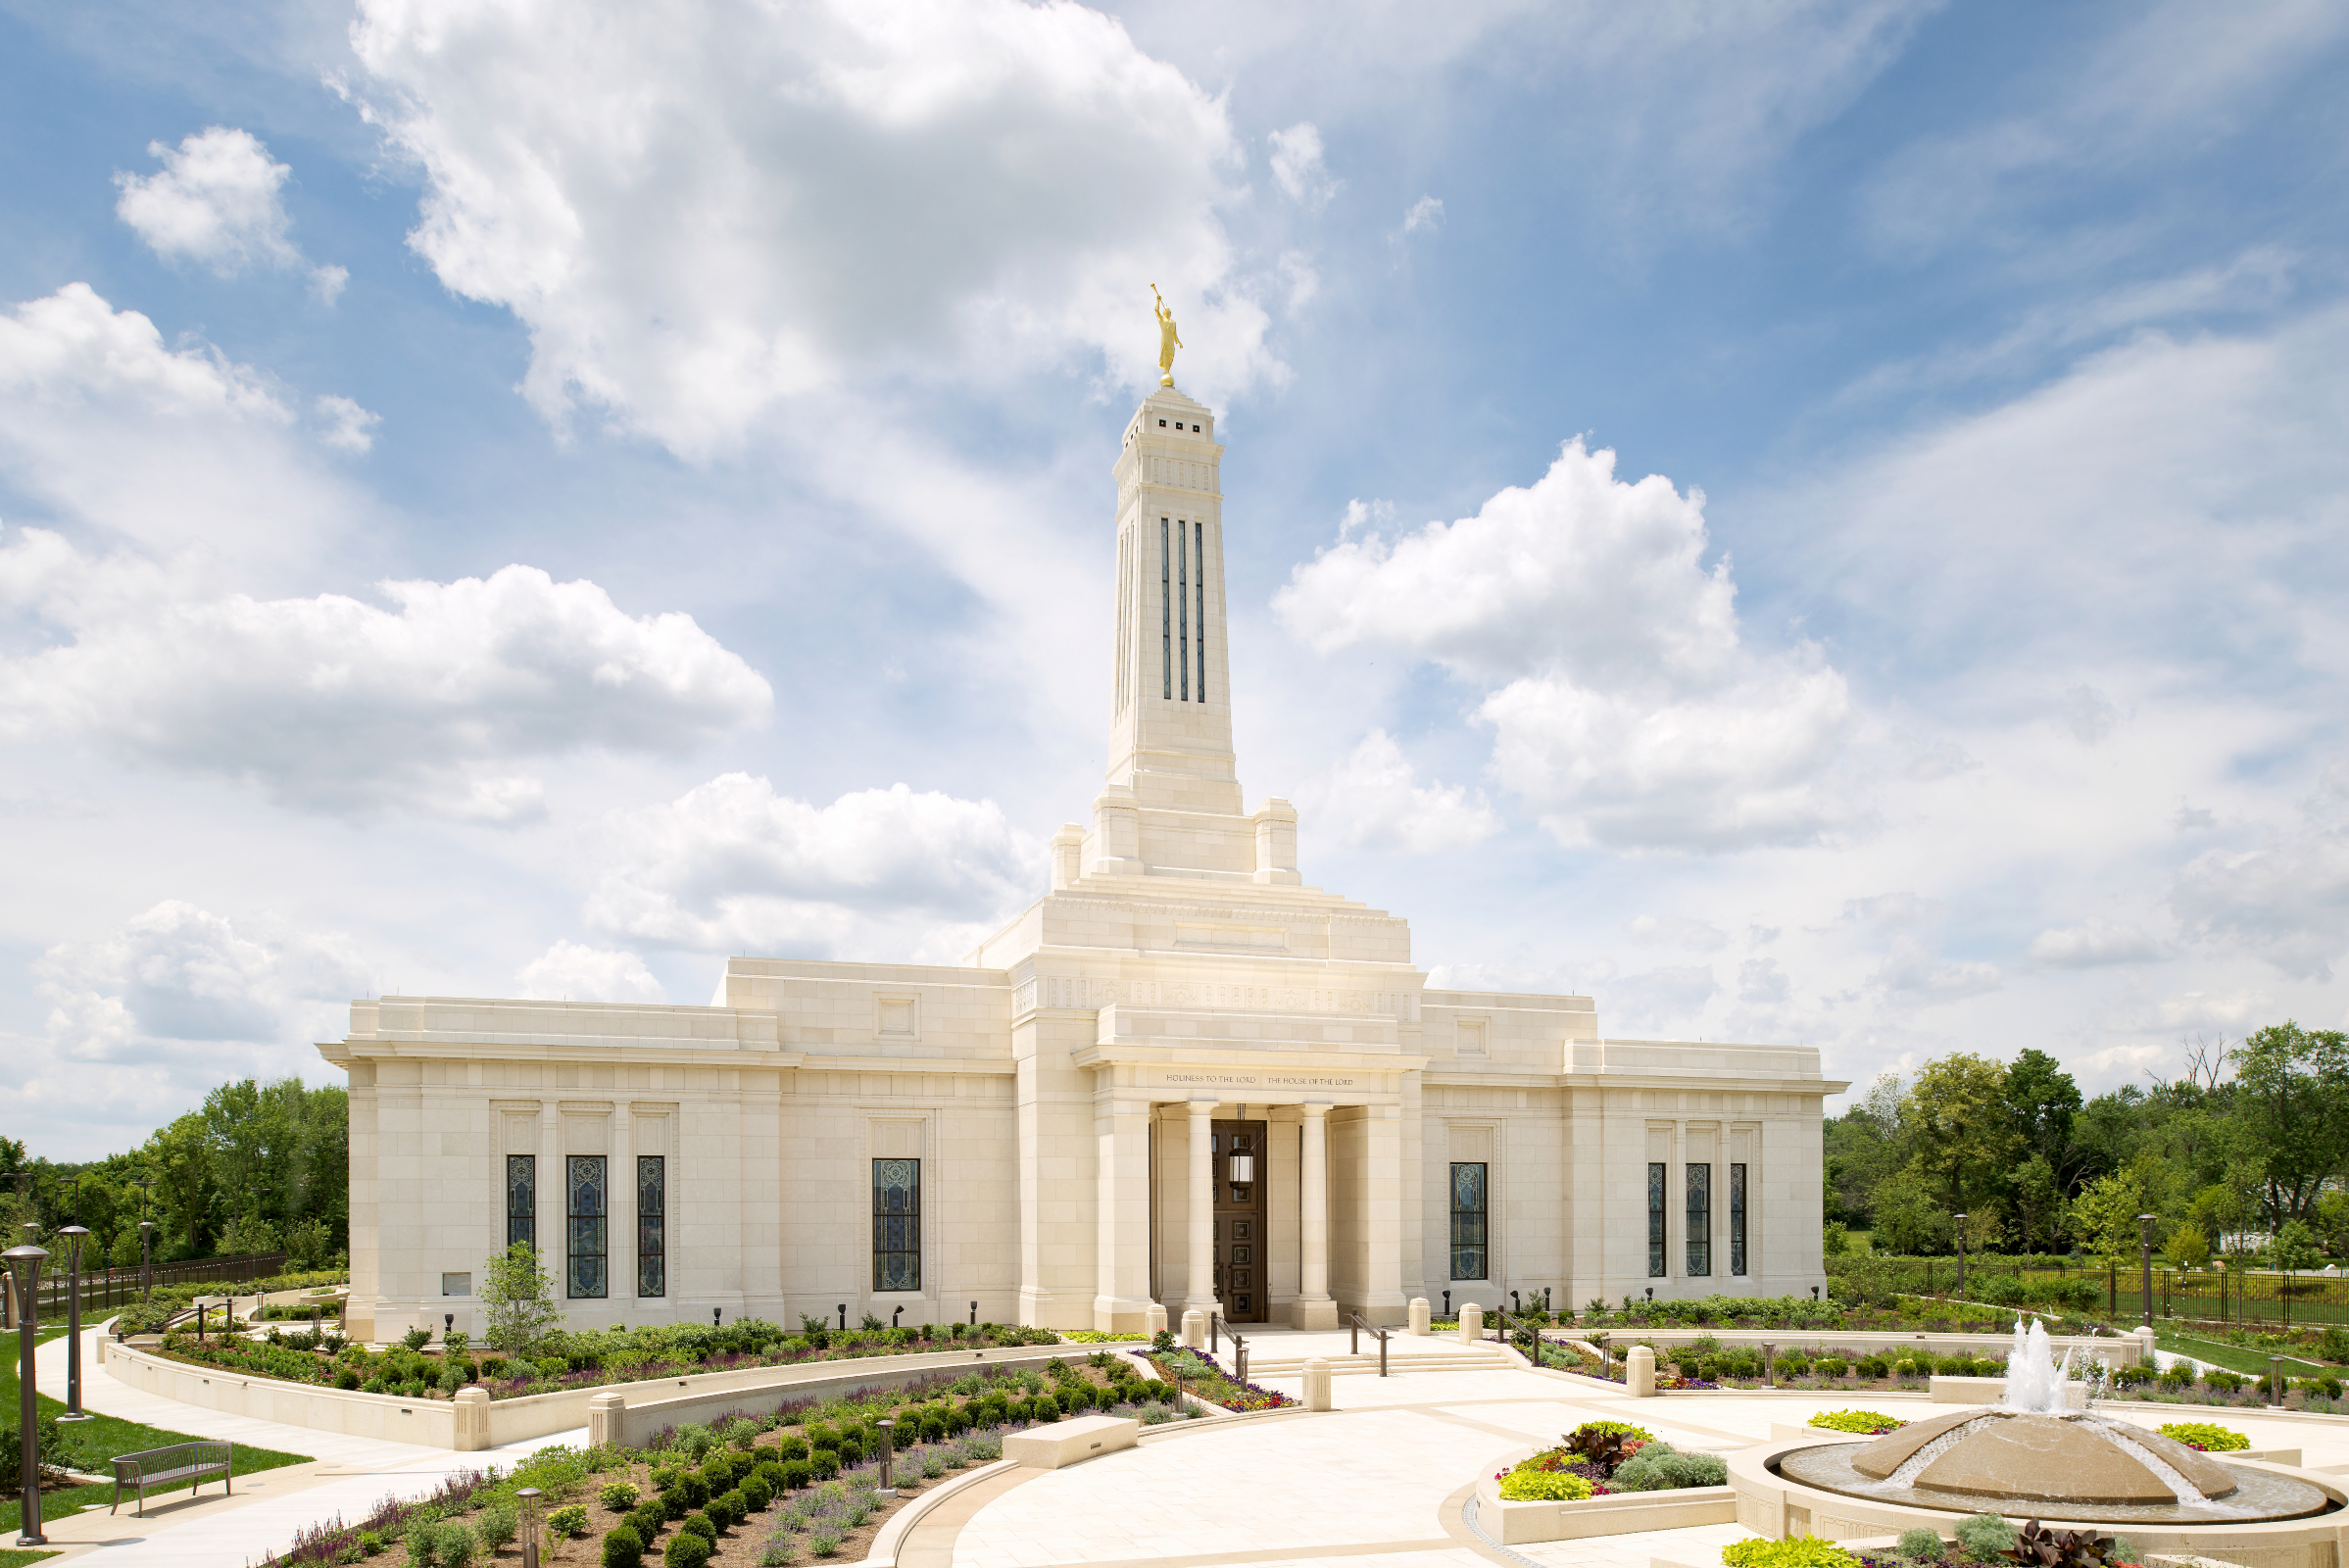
x=2291, y=1089
x=2043, y=1102
x=2189, y=1247
x=2040, y=1202
x=518, y=1300
x=1908, y=1218
x=2105, y=1216
x=2295, y=1245
x=1963, y=1137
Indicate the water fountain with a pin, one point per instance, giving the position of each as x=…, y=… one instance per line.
x=2033, y=1456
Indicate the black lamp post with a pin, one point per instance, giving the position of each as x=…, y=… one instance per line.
x=717, y=1315
x=1961, y=1239
x=24, y=1267
x=2145, y=1262
x=146, y=1260
x=75, y=1235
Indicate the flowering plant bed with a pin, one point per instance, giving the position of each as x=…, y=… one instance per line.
x=576, y=1360
x=1197, y=1372
x=775, y=1487
x=1868, y=1423
x=2206, y=1436
x=1600, y=1458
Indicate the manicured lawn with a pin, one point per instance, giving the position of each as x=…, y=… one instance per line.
x=9, y=1557
x=2234, y=1357
x=101, y=1438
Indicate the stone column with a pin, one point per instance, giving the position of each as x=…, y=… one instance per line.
x=619, y=1242
x=1315, y=1307
x=554, y=1210
x=1122, y=1212
x=1200, y=1295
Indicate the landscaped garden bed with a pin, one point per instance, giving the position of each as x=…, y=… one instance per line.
x=1982, y=1541
x=418, y=1370
x=1603, y=1458
x=790, y=1485
x=1198, y=1373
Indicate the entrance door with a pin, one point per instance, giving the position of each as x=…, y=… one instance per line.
x=1240, y=1251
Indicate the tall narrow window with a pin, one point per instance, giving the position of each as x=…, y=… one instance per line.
x=1165, y=610
x=896, y=1224
x=1468, y=1220
x=1183, y=607
x=1700, y=1220
x=590, y=1205
x=1656, y=1220
x=1198, y=554
x=1737, y=1221
x=652, y=1225
x=521, y=1199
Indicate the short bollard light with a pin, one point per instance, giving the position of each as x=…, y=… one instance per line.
x=974, y=1315
x=25, y=1270
x=528, y=1497
x=887, y=1432
x=1769, y=1366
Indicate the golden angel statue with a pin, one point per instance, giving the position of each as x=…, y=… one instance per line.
x=1168, y=342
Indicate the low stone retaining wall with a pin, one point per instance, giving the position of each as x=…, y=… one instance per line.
x=1620, y=1514
x=1990, y=1391
x=437, y=1424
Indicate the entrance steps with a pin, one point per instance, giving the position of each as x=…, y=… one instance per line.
x=1421, y=1357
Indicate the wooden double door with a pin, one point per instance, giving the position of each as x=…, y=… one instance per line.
x=1242, y=1257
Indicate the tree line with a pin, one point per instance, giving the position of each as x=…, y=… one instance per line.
x=258, y=1168
x=2245, y=1151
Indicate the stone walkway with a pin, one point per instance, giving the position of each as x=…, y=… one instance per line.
x=348, y=1476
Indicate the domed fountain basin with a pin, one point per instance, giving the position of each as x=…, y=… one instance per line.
x=2075, y=1466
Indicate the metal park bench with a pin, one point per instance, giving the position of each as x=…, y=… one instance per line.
x=192, y=1462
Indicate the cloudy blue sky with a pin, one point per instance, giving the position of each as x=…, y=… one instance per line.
x=1820, y=522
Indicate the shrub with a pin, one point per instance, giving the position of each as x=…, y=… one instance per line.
x=647, y=1519
x=498, y=1525
x=790, y=1449
x=825, y=1462
x=1984, y=1535
x=699, y=1524
x=799, y=1472
x=568, y=1522
x=623, y=1548
x=417, y=1339
x=741, y=1433
x=686, y=1552
x=1832, y=1366
x=736, y=1506
x=755, y=1494
x=1866, y=1422
x=617, y=1496
x=694, y=1487
x=824, y=1539
x=1543, y=1486
x=1801, y=1551
x=1919, y=1543
x=2208, y=1436
x=2225, y=1382
x=1667, y=1472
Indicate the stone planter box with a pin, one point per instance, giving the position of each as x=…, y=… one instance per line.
x=435, y=1423
x=1514, y=1523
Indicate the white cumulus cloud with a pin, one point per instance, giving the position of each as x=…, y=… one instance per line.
x=435, y=705
x=106, y=424
x=2286, y=900
x=1373, y=797
x=2092, y=943
x=218, y=201
x=732, y=866
x=576, y=972
x=179, y=973
x=702, y=210
x=1629, y=708
x=1679, y=931
x=347, y=424
x=1297, y=166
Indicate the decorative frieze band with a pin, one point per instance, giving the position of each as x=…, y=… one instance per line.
x=1052, y=992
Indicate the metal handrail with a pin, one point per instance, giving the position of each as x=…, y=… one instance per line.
x=1214, y=1322
x=1358, y=1325
x=1239, y=1357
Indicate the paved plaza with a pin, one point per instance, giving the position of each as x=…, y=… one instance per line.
x=1379, y=1481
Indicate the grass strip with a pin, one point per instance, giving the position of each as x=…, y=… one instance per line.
x=100, y=1438
x=2234, y=1357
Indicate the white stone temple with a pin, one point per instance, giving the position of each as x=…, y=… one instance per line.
x=1181, y=1076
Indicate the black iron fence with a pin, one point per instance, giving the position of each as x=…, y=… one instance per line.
x=103, y=1288
x=2216, y=1293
